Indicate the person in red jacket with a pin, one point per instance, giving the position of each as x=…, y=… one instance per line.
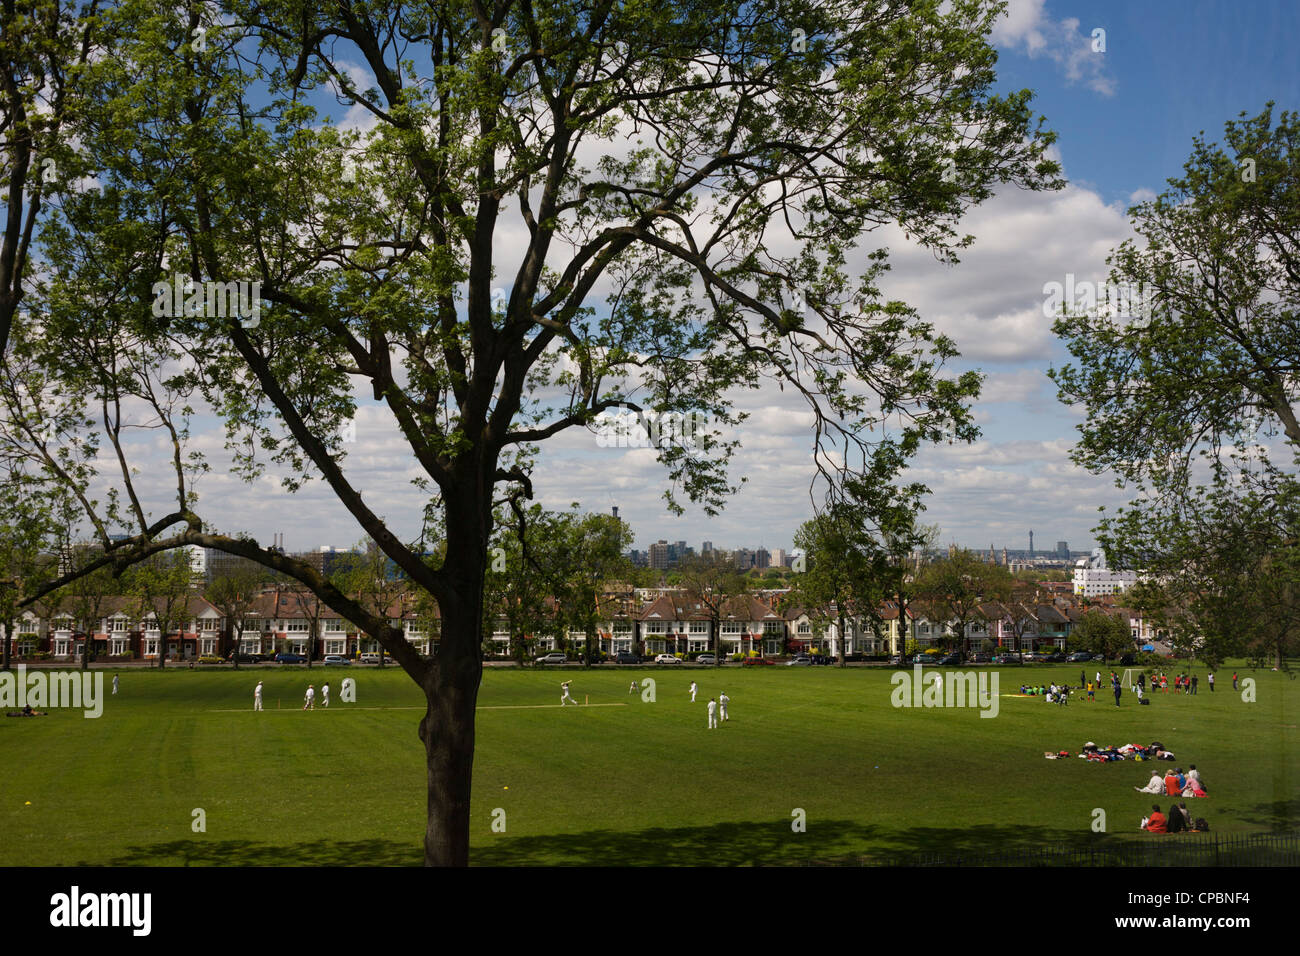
x=1171, y=784
x=1156, y=823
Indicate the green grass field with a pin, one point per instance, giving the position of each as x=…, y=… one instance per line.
x=628, y=783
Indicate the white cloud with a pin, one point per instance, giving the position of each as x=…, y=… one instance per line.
x=1027, y=27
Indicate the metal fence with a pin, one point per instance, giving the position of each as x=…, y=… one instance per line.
x=1203, y=849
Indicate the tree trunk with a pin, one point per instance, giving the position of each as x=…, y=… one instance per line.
x=447, y=730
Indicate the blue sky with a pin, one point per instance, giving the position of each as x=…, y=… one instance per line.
x=1125, y=119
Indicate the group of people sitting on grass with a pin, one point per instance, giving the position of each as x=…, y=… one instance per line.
x=1175, y=783
x=1178, y=820
x=1052, y=693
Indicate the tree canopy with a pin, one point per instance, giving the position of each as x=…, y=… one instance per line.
x=532, y=214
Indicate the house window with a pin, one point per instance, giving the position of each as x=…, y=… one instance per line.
x=805, y=627
x=118, y=646
x=207, y=646
x=297, y=645
x=771, y=646
x=772, y=628
x=622, y=628
x=730, y=627
x=299, y=627
x=336, y=646
x=119, y=624
x=695, y=647
x=701, y=627
x=208, y=624
x=333, y=626
x=656, y=627
x=250, y=645
x=151, y=647
x=61, y=647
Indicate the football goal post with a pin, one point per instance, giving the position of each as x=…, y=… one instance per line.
x=1129, y=679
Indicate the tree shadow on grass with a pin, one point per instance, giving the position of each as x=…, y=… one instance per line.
x=826, y=842
x=199, y=852
x=1278, y=815
x=765, y=843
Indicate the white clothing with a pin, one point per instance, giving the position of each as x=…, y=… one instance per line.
x=325, y=694
x=565, y=697
x=114, y=683
x=692, y=692
x=257, y=696
x=1155, y=785
x=713, y=714
x=311, y=700
x=723, y=701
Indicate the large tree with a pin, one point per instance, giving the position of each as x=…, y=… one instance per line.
x=550, y=210
x=846, y=572
x=714, y=581
x=953, y=588
x=1191, y=390
x=160, y=588
x=589, y=555
x=234, y=593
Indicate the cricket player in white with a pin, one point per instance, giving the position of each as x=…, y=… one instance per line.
x=692, y=692
x=325, y=693
x=257, y=696
x=114, y=683
x=723, y=701
x=310, y=703
x=632, y=688
x=565, y=698
x=713, y=714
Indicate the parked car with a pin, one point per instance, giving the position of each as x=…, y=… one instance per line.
x=802, y=660
x=336, y=659
x=1056, y=657
x=896, y=660
x=246, y=658
x=290, y=659
x=951, y=659
x=824, y=660
x=667, y=659
x=1079, y=656
x=210, y=659
x=980, y=658
x=1030, y=657
x=626, y=658
x=757, y=661
x=1007, y=659
x=554, y=657
x=706, y=659
x=368, y=659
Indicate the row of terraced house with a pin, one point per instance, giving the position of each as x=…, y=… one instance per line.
x=651, y=621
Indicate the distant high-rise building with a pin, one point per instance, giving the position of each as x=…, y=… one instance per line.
x=1063, y=550
x=762, y=559
x=778, y=557
x=706, y=548
x=1031, y=544
x=659, y=555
